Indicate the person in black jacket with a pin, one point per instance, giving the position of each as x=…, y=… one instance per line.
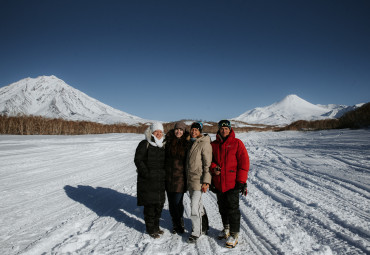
x=177, y=143
x=149, y=160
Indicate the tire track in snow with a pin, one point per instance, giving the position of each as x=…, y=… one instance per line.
x=306, y=217
x=256, y=239
x=293, y=205
x=304, y=167
x=288, y=200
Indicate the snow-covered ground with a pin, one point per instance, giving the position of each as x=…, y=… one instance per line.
x=308, y=194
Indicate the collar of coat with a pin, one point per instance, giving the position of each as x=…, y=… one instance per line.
x=202, y=137
x=205, y=138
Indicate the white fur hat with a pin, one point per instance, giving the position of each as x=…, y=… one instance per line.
x=156, y=126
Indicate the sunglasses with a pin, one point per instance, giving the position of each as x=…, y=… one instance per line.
x=224, y=123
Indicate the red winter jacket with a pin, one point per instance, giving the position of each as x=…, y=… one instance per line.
x=232, y=157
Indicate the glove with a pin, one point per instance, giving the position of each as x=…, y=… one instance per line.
x=242, y=187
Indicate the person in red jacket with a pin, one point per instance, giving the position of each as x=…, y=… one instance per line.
x=229, y=169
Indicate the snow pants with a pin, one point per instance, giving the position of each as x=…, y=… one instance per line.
x=228, y=206
x=152, y=214
x=199, y=219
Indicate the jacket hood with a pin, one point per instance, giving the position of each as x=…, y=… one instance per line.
x=148, y=137
x=148, y=134
x=203, y=138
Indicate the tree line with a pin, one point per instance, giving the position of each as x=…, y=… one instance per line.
x=358, y=118
x=37, y=125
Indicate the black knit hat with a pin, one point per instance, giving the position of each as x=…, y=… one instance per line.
x=224, y=123
x=198, y=125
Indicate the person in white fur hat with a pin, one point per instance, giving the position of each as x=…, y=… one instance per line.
x=149, y=160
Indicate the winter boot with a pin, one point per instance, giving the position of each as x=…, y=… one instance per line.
x=156, y=225
x=192, y=239
x=225, y=233
x=174, y=226
x=155, y=235
x=232, y=241
x=182, y=224
x=181, y=228
x=178, y=230
x=178, y=227
x=205, y=224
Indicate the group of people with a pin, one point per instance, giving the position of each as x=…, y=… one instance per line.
x=183, y=161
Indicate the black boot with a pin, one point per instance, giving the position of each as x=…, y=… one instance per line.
x=178, y=226
x=182, y=226
x=192, y=239
x=174, y=227
x=205, y=224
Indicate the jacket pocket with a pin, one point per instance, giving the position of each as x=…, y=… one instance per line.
x=230, y=178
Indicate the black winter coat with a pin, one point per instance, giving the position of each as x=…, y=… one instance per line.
x=149, y=161
x=176, y=151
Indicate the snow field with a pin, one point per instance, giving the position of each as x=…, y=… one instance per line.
x=308, y=193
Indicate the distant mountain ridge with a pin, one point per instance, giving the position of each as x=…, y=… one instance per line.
x=51, y=97
x=293, y=108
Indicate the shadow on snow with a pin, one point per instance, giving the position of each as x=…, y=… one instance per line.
x=107, y=202
x=122, y=207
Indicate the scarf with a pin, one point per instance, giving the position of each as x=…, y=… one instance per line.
x=193, y=139
x=157, y=142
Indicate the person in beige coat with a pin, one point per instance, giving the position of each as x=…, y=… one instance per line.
x=198, y=161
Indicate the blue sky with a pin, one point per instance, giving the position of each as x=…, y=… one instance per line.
x=179, y=59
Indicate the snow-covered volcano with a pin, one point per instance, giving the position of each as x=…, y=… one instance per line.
x=51, y=97
x=292, y=108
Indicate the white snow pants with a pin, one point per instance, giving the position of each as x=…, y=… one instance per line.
x=196, y=212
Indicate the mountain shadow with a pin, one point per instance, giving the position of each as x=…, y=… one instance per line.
x=107, y=202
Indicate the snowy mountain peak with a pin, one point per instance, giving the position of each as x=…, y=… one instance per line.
x=290, y=109
x=292, y=100
x=51, y=97
x=294, y=103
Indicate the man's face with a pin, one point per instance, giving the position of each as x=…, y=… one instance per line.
x=194, y=132
x=224, y=131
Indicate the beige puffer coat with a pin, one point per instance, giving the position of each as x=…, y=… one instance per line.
x=198, y=161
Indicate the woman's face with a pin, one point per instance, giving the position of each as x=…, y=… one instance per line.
x=179, y=132
x=194, y=132
x=158, y=134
